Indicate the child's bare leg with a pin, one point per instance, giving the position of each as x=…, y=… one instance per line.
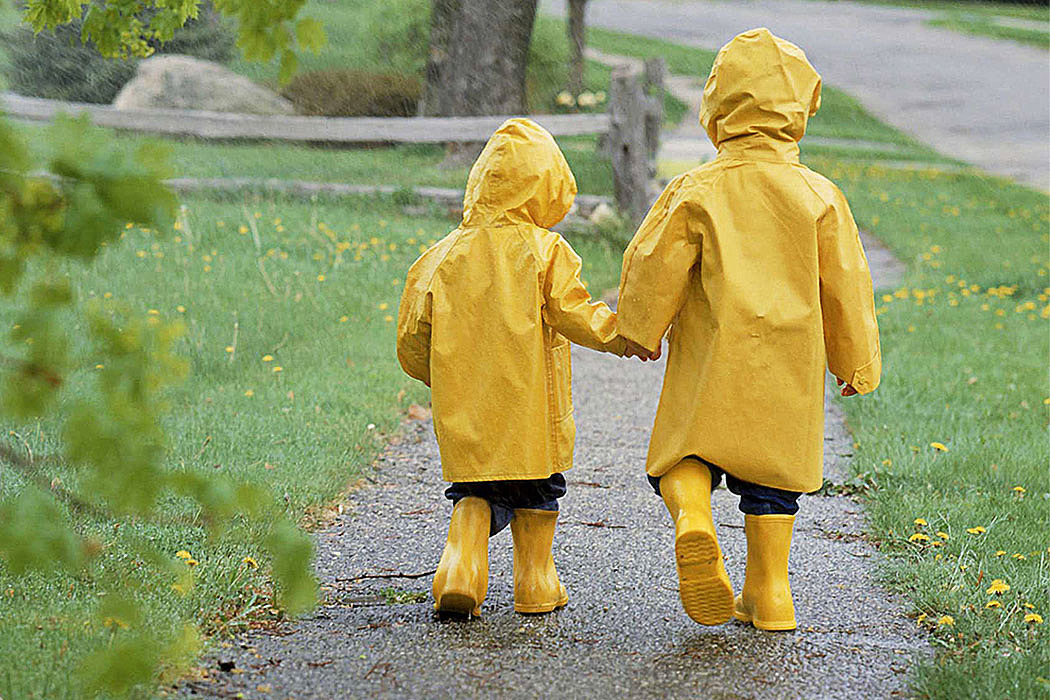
x=703, y=585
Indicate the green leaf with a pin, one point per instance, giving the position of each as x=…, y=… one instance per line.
x=35, y=534
x=310, y=34
x=289, y=64
x=292, y=553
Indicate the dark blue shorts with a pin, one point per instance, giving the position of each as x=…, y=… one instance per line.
x=754, y=499
x=505, y=496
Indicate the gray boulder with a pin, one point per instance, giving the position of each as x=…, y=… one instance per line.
x=174, y=81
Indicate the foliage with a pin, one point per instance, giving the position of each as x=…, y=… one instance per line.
x=266, y=29
x=354, y=93
x=110, y=435
x=58, y=66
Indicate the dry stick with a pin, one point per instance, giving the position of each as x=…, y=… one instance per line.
x=266, y=277
x=254, y=229
x=399, y=574
x=29, y=473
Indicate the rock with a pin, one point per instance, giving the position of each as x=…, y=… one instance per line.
x=603, y=213
x=174, y=81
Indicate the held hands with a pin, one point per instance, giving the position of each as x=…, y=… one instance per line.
x=636, y=350
x=847, y=389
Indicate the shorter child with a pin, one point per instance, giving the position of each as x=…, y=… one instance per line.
x=485, y=321
x=756, y=261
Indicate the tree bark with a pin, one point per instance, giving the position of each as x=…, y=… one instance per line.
x=478, y=54
x=577, y=40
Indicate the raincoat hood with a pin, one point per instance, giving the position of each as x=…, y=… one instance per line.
x=520, y=177
x=759, y=84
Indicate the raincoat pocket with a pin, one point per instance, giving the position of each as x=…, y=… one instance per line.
x=561, y=380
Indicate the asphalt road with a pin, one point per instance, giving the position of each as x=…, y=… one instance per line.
x=983, y=101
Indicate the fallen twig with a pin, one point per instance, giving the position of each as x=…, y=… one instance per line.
x=398, y=574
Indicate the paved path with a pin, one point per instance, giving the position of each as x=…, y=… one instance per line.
x=623, y=633
x=980, y=100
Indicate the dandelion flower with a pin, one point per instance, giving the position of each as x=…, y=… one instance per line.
x=183, y=554
x=942, y=535
x=921, y=618
x=919, y=537
x=999, y=553
x=998, y=587
x=384, y=306
x=320, y=278
x=267, y=358
x=249, y=393
x=939, y=446
x=1018, y=556
x=920, y=521
x=191, y=562
x=1034, y=618
x=181, y=309
x=1018, y=490
x=344, y=319
x=976, y=530
x=946, y=620
x=250, y=563
x=1028, y=605
x=993, y=604
x=278, y=368
x=229, y=348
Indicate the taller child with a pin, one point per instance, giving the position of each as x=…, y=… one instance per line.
x=755, y=263
x=485, y=321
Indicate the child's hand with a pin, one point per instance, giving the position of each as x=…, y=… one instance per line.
x=847, y=389
x=636, y=350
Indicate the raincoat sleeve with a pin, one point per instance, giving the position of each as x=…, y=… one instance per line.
x=851, y=333
x=656, y=267
x=568, y=308
x=413, y=328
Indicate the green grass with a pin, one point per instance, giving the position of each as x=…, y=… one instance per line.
x=305, y=432
x=982, y=26
x=964, y=367
x=988, y=8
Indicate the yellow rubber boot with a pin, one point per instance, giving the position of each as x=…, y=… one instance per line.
x=703, y=584
x=766, y=601
x=536, y=585
x=462, y=577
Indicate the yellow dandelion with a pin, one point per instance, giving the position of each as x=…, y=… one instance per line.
x=1019, y=490
x=998, y=587
x=320, y=278
x=976, y=530
x=153, y=312
x=249, y=393
x=1028, y=605
x=942, y=535
x=181, y=309
x=993, y=604
x=242, y=229
x=939, y=446
x=229, y=348
x=1019, y=556
x=384, y=306
x=344, y=319
x=278, y=368
x=1034, y=618
x=1000, y=553
x=388, y=318
x=267, y=358
x=921, y=618
x=919, y=537
x=250, y=563
x=920, y=522
x=945, y=620
x=887, y=462
x=183, y=554
x=191, y=562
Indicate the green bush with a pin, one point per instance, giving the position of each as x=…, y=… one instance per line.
x=400, y=33
x=354, y=93
x=58, y=66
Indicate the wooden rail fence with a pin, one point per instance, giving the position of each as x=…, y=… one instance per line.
x=630, y=128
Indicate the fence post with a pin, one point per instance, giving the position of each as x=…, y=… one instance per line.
x=627, y=143
x=655, y=72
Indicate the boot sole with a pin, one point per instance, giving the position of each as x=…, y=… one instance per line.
x=705, y=591
x=544, y=608
x=458, y=604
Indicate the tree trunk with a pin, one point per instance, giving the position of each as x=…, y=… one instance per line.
x=478, y=53
x=577, y=30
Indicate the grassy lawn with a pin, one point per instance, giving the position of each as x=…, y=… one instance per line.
x=982, y=25
x=965, y=343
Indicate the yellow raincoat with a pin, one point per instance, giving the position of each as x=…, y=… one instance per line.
x=754, y=262
x=488, y=312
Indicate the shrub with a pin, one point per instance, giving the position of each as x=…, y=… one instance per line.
x=58, y=66
x=354, y=93
x=400, y=33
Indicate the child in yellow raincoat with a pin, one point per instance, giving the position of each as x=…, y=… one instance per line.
x=485, y=321
x=755, y=264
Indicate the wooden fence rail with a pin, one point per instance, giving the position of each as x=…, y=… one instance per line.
x=630, y=130
x=220, y=125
